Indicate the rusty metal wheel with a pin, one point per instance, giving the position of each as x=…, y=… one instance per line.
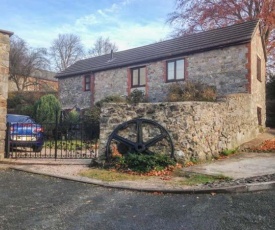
x=141, y=136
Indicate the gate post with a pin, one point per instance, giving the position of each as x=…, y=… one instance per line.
x=56, y=134
x=7, y=141
x=4, y=73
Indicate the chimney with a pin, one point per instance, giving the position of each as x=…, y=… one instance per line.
x=112, y=54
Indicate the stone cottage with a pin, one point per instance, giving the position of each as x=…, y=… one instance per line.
x=231, y=58
x=4, y=71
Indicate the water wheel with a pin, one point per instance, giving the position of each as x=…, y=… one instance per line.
x=140, y=136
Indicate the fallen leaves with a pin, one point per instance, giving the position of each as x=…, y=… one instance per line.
x=115, y=152
x=166, y=178
x=221, y=157
x=164, y=174
x=268, y=145
x=188, y=164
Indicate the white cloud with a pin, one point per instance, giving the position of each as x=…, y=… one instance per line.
x=87, y=20
x=113, y=22
x=129, y=35
x=125, y=33
x=102, y=13
x=127, y=2
x=134, y=35
x=114, y=8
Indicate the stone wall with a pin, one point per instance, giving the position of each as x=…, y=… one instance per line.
x=111, y=82
x=200, y=130
x=258, y=87
x=72, y=94
x=4, y=71
x=156, y=81
x=224, y=68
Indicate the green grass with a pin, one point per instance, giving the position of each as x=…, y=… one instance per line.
x=202, y=179
x=107, y=175
x=228, y=152
x=178, y=177
x=195, y=178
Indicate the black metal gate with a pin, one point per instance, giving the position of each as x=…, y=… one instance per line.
x=60, y=141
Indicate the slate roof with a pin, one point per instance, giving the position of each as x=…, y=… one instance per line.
x=199, y=42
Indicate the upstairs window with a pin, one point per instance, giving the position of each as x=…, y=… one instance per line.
x=87, y=83
x=259, y=69
x=175, y=70
x=138, y=77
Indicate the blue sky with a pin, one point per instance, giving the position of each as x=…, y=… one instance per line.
x=128, y=23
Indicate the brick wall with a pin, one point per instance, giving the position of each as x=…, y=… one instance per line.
x=4, y=70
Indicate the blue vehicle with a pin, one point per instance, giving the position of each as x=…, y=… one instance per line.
x=24, y=132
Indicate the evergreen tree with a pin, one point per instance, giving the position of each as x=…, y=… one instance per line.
x=46, y=108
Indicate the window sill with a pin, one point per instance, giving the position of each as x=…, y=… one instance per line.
x=169, y=81
x=138, y=86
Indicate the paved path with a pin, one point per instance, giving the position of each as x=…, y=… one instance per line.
x=241, y=165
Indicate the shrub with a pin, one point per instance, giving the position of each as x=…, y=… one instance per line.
x=13, y=100
x=136, y=96
x=46, y=108
x=92, y=115
x=110, y=99
x=91, y=122
x=27, y=110
x=23, y=102
x=72, y=117
x=17, y=103
x=145, y=163
x=191, y=91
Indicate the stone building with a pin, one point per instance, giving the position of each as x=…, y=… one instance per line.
x=231, y=58
x=4, y=71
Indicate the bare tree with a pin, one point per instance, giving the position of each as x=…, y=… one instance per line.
x=66, y=50
x=102, y=46
x=192, y=16
x=24, y=61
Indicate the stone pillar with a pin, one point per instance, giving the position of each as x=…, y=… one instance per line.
x=4, y=71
